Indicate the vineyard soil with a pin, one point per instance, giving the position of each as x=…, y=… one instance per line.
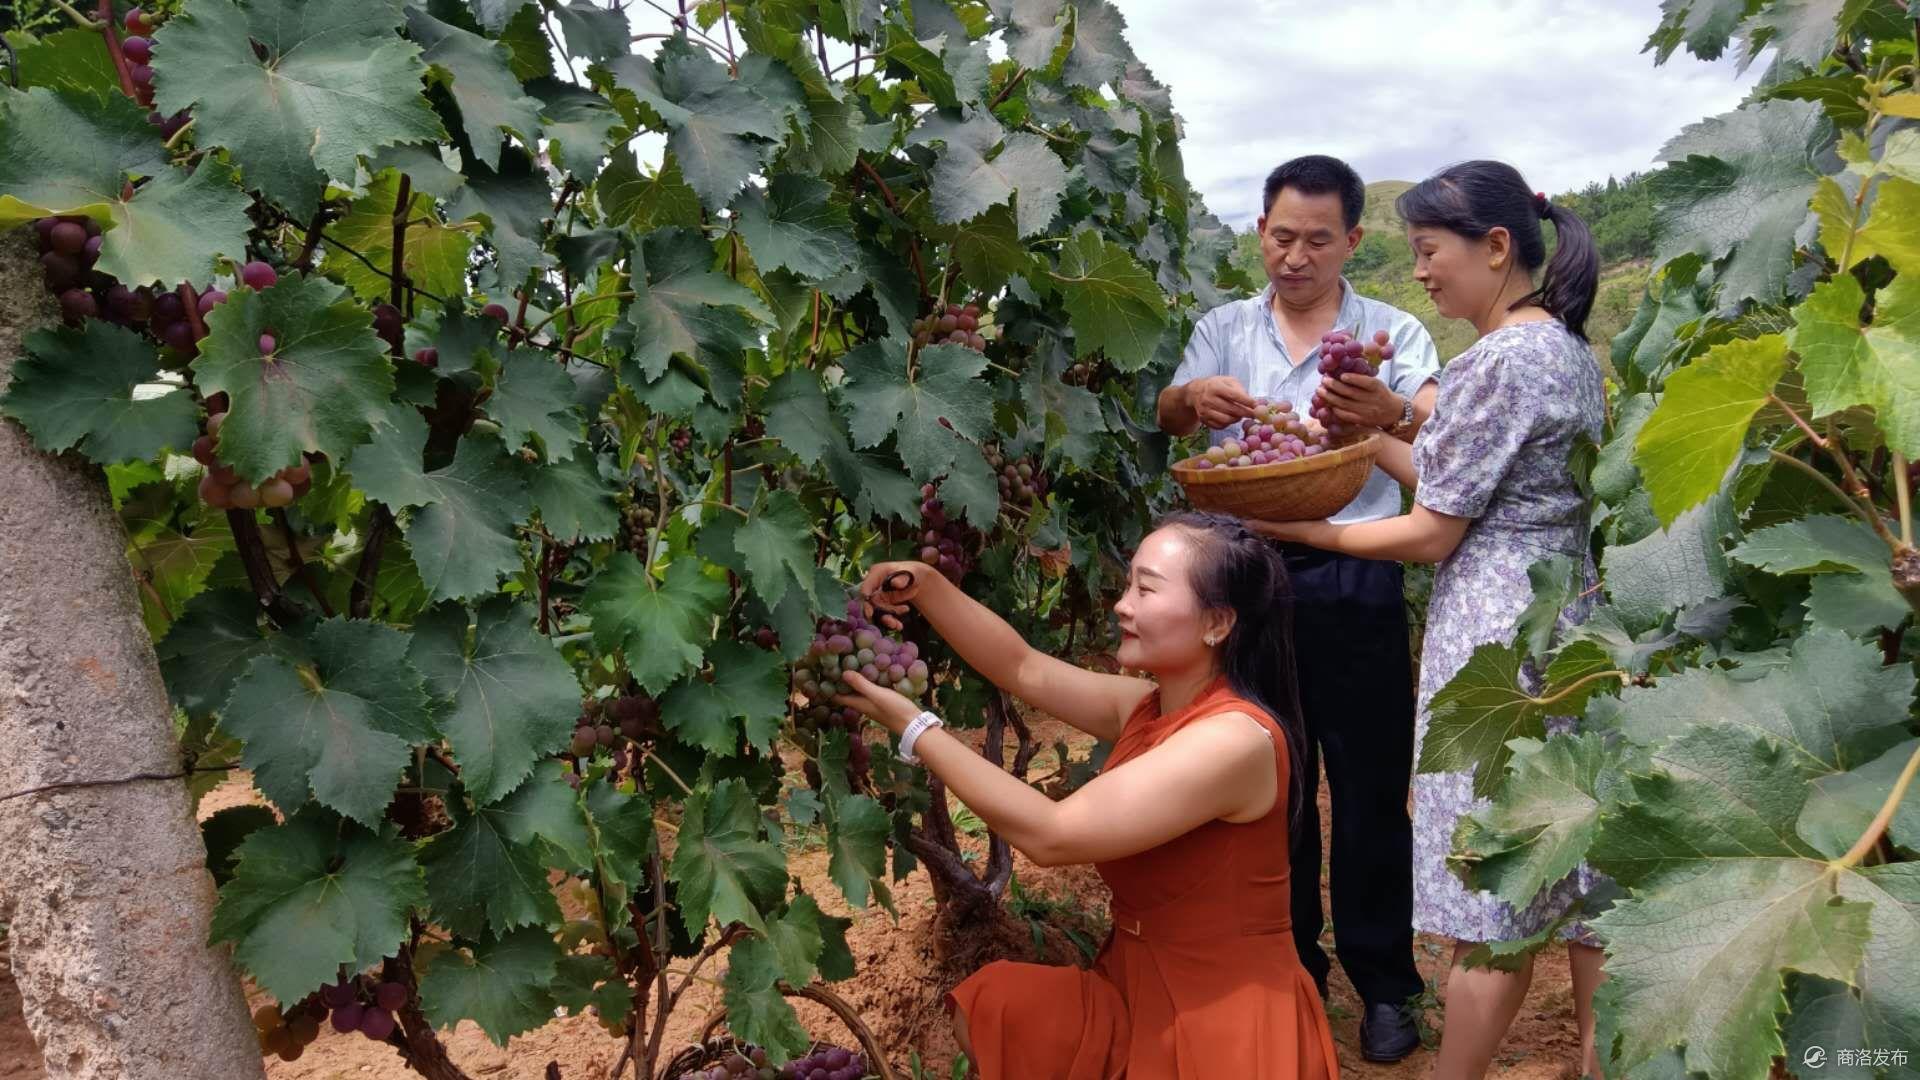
x=894, y=990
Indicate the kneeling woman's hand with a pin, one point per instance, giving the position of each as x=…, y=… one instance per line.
x=892, y=709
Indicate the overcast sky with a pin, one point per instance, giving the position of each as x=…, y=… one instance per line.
x=1400, y=88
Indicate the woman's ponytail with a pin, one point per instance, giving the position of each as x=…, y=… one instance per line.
x=1573, y=276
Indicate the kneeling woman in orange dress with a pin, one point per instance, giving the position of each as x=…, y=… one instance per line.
x=1187, y=823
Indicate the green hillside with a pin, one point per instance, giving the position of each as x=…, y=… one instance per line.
x=1619, y=213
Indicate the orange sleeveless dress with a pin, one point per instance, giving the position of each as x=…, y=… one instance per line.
x=1199, y=978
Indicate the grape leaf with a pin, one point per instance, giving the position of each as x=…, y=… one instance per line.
x=857, y=830
x=1545, y=817
x=1069, y=415
x=435, y=258
x=1833, y=703
x=874, y=483
x=494, y=15
x=1894, y=340
x=1100, y=52
x=1473, y=718
x=1740, y=183
x=1686, y=447
x=1671, y=568
x=70, y=61
x=1702, y=964
x=1801, y=31
x=593, y=32
x=715, y=120
x=621, y=825
x=1705, y=27
x=578, y=119
x=776, y=541
x=64, y=153
x=989, y=250
x=1674, y=298
x=533, y=396
x=756, y=1010
x=1853, y=578
x=337, y=725
x=466, y=342
x=209, y=646
x=685, y=307
x=312, y=894
x=335, y=83
x=491, y=100
x=322, y=388
x=574, y=501
x=75, y=388
x=660, y=628
x=969, y=176
x=1893, y=226
x=514, y=202
x=1710, y=792
x=951, y=70
x=1035, y=35
x=795, y=225
x=462, y=532
x=799, y=415
x=1841, y=806
x=883, y=397
x=481, y=876
x=724, y=868
x=659, y=200
x=506, y=699
x=1116, y=305
x=176, y=564
x=747, y=697
x=502, y=984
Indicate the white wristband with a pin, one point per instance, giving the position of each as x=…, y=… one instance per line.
x=917, y=727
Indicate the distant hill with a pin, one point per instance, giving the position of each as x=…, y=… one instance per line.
x=1618, y=212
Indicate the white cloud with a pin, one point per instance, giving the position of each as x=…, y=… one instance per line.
x=1400, y=88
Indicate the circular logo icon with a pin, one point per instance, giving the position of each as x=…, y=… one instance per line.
x=1814, y=1057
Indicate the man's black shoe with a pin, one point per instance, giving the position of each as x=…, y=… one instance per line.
x=1387, y=1033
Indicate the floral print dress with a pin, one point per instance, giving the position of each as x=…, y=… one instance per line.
x=1510, y=411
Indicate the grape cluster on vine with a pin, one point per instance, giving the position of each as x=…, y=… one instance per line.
x=69, y=246
x=945, y=544
x=840, y=646
x=614, y=724
x=1340, y=354
x=222, y=488
x=1021, y=479
x=959, y=324
x=1273, y=434
x=636, y=519
x=351, y=1004
x=824, y=1063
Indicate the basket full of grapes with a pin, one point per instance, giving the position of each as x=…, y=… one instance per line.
x=1278, y=465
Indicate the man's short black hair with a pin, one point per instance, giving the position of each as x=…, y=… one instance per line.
x=1318, y=174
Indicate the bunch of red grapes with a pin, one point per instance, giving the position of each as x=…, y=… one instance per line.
x=630, y=718
x=354, y=1004
x=1273, y=434
x=1341, y=353
x=945, y=544
x=69, y=246
x=825, y=1063
x=223, y=489
x=853, y=644
x=1021, y=479
x=138, y=49
x=959, y=324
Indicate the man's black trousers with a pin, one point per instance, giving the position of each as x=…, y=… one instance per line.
x=1356, y=689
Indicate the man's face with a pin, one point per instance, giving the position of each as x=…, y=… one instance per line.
x=1304, y=241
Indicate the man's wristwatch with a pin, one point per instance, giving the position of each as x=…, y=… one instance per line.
x=1406, y=417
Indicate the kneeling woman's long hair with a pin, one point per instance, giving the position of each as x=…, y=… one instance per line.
x=1241, y=571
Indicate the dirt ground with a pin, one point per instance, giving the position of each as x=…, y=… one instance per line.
x=894, y=991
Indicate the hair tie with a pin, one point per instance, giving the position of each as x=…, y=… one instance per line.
x=1541, y=206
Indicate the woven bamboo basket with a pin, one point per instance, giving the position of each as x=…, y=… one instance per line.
x=1304, y=489
x=714, y=1047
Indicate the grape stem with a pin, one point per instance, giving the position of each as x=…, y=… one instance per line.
x=1903, y=497
x=1869, y=839
x=300, y=566
x=82, y=21
x=1007, y=90
x=913, y=245
x=174, y=138
x=1832, y=488
x=360, y=600
x=397, y=292
x=135, y=777
x=120, y=64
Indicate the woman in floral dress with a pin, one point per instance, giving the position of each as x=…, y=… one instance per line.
x=1493, y=494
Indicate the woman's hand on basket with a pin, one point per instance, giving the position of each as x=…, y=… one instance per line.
x=1361, y=399
x=887, y=707
x=891, y=587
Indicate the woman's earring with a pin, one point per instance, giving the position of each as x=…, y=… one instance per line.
x=1211, y=640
